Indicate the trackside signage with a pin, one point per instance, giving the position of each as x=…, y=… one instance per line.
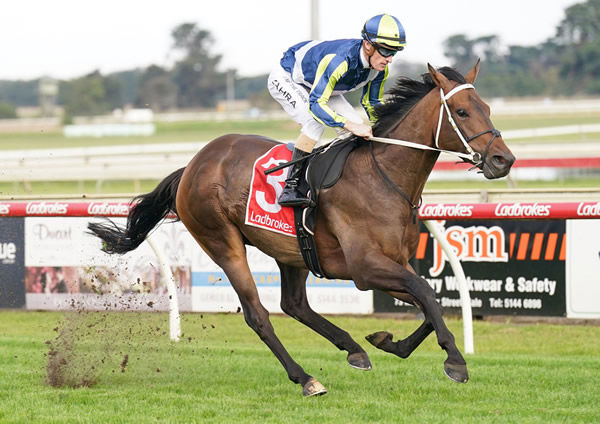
x=12, y=263
x=531, y=258
x=517, y=210
x=46, y=208
x=512, y=267
x=72, y=209
x=212, y=291
x=107, y=209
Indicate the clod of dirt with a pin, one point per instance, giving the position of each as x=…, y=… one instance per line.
x=64, y=368
x=124, y=363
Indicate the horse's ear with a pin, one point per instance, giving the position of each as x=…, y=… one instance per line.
x=438, y=78
x=472, y=74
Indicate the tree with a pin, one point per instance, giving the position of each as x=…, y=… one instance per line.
x=459, y=49
x=464, y=52
x=7, y=111
x=581, y=24
x=579, y=36
x=90, y=95
x=156, y=89
x=198, y=81
x=19, y=93
x=129, y=82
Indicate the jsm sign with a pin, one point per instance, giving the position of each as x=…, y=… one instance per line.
x=512, y=267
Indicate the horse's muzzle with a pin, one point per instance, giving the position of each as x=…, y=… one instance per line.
x=498, y=165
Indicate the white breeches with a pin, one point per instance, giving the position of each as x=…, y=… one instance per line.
x=293, y=98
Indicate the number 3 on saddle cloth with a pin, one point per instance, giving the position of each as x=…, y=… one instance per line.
x=263, y=211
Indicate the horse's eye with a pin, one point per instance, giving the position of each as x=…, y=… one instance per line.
x=462, y=113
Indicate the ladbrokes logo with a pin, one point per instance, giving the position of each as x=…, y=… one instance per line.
x=441, y=210
x=4, y=209
x=583, y=209
x=108, y=209
x=46, y=208
x=519, y=210
x=472, y=244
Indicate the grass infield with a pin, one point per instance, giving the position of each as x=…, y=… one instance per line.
x=221, y=372
x=286, y=129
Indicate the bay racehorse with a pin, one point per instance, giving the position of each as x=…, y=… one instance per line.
x=366, y=229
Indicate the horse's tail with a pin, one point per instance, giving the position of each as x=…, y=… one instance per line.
x=150, y=209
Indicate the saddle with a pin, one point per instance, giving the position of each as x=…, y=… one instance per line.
x=323, y=170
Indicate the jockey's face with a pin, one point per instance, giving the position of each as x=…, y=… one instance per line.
x=376, y=60
x=379, y=62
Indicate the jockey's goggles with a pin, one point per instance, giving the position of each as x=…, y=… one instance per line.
x=386, y=51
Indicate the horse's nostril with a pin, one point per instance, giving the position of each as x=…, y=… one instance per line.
x=499, y=161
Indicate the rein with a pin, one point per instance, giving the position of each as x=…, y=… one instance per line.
x=414, y=208
x=474, y=157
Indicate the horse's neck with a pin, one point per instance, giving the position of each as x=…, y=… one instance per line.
x=408, y=167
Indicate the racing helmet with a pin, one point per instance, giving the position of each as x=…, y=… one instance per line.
x=385, y=31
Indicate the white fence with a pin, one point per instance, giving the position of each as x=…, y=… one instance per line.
x=155, y=161
x=144, y=161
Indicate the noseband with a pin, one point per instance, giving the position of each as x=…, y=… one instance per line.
x=477, y=159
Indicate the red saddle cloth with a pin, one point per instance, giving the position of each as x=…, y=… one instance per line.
x=262, y=209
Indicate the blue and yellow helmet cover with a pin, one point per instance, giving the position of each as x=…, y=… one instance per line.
x=385, y=29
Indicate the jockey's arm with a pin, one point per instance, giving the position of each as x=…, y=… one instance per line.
x=330, y=70
x=372, y=94
x=328, y=74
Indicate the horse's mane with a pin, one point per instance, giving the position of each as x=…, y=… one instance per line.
x=404, y=95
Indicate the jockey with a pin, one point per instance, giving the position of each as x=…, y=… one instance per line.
x=313, y=75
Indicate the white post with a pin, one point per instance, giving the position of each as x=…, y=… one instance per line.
x=465, y=298
x=169, y=281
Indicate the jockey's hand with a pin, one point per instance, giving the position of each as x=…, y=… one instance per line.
x=360, y=130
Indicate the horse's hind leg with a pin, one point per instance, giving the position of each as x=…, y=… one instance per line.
x=230, y=254
x=295, y=303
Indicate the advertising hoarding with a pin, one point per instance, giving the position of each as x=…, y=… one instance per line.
x=512, y=267
x=12, y=263
x=66, y=268
x=212, y=291
x=583, y=268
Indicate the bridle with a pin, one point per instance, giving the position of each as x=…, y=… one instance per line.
x=475, y=158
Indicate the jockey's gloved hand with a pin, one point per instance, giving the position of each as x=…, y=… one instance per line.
x=359, y=129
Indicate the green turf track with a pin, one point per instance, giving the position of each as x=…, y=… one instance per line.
x=220, y=372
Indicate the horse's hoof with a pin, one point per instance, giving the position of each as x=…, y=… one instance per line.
x=456, y=373
x=313, y=388
x=380, y=338
x=359, y=360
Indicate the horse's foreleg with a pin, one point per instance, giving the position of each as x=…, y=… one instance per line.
x=380, y=272
x=295, y=303
x=402, y=348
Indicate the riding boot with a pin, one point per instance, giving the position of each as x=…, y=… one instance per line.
x=290, y=196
